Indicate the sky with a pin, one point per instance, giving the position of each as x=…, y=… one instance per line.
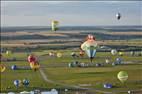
x=70, y=13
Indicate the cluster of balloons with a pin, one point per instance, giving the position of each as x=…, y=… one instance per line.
x=114, y=52
x=18, y=83
x=54, y=25
x=90, y=46
x=32, y=59
x=2, y=68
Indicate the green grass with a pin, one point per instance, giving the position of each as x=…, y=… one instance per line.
x=57, y=70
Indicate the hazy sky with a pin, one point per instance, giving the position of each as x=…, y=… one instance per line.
x=82, y=13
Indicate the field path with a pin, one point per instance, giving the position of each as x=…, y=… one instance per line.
x=44, y=76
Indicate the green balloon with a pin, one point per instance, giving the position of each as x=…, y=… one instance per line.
x=122, y=76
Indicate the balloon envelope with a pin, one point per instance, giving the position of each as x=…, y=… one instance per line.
x=34, y=65
x=81, y=53
x=26, y=82
x=17, y=83
x=13, y=67
x=90, y=48
x=54, y=25
x=59, y=55
x=118, y=16
x=113, y=52
x=32, y=58
x=2, y=68
x=121, y=53
x=122, y=76
x=8, y=53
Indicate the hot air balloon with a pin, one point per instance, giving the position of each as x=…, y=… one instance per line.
x=59, y=55
x=107, y=61
x=81, y=53
x=107, y=85
x=118, y=16
x=113, y=51
x=89, y=47
x=2, y=68
x=122, y=76
x=13, y=67
x=8, y=52
x=25, y=82
x=33, y=62
x=118, y=60
x=17, y=83
x=121, y=53
x=54, y=25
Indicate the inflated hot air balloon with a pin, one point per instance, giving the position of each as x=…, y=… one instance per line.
x=121, y=53
x=118, y=16
x=59, y=55
x=8, y=53
x=2, y=68
x=17, y=83
x=25, y=82
x=54, y=25
x=113, y=51
x=122, y=76
x=107, y=61
x=33, y=62
x=90, y=47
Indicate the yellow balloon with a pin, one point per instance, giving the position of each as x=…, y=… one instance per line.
x=54, y=25
x=34, y=66
x=2, y=68
x=8, y=53
x=59, y=55
x=121, y=53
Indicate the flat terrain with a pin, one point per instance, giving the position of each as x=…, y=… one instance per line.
x=55, y=73
x=61, y=76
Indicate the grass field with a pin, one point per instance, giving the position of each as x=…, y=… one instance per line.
x=57, y=70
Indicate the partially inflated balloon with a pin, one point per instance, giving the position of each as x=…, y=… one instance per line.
x=59, y=55
x=2, y=68
x=121, y=53
x=113, y=52
x=81, y=53
x=34, y=66
x=122, y=76
x=32, y=58
x=54, y=25
x=107, y=61
x=8, y=53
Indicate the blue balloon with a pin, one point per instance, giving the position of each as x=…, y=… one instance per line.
x=26, y=82
x=107, y=85
x=16, y=83
x=13, y=67
x=98, y=65
x=118, y=60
